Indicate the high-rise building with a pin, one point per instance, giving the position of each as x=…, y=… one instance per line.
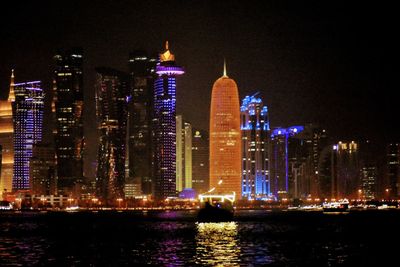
x=112, y=89
x=179, y=154
x=368, y=182
x=183, y=154
x=225, y=137
x=255, y=131
x=164, y=123
x=42, y=170
x=68, y=107
x=187, y=133
x=280, y=160
x=28, y=110
x=304, y=157
x=140, y=113
x=6, y=140
x=393, y=170
x=346, y=171
x=200, y=161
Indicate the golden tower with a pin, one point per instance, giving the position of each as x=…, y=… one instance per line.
x=225, y=137
x=6, y=140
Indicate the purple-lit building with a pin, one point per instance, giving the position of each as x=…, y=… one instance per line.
x=28, y=110
x=255, y=130
x=279, y=160
x=164, y=126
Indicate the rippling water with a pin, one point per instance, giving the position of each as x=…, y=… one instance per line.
x=255, y=238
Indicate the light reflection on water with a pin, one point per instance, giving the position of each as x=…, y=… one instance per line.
x=217, y=244
x=175, y=239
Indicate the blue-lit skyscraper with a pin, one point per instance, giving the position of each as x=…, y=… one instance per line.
x=165, y=126
x=279, y=160
x=28, y=121
x=255, y=131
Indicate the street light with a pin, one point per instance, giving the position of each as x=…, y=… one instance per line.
x=19, y=201
x=387, y=192
x=119, y=202
x=359, y=194
x=43, y=199
x=94, y=200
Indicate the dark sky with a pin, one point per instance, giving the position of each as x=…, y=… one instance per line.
x=327, y=62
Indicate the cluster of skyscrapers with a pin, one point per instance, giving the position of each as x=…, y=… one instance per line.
x=145, y=148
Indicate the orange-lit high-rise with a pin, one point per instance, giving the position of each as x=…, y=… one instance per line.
x=225, y=137
x=6, y=140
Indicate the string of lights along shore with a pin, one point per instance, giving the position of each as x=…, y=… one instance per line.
x=146, y=151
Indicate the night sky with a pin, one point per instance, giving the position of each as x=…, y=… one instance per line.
x=327, y=62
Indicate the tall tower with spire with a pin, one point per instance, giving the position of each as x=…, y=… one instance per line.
x=225, y=136
x=6, y=140
x=164, y=125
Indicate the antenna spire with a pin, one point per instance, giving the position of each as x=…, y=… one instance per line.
x=225, y=69
x=11, y=94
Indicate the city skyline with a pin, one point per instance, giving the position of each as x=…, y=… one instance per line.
x=314, y=52
x=198, y=133
x=308, y=61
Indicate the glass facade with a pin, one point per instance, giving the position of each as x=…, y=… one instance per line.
x=112, y=90
x=68, y=108
x=200, y=161
x=279, y=160
x=255, y=131
x=140, y=113
x=28, y=110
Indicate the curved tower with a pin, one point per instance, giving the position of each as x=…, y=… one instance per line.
x=225, y=136
x=164, y=123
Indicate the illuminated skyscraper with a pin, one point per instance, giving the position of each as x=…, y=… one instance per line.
x=179, y=154
x=255, y=131
x=304, y=151
x=279, y=160
x=368, y=182
x=28, y=110
x=225, y=137
x=6, y=140
x=140, y=114
x=164, y=123
x=200, y=161
x=68, y=107
x=393, y=170
x=42, y=170
x=346, y=168
x=112, y=90
x=183, y=154
x=187, y=132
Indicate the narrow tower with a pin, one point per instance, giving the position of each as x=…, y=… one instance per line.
x=28, y=109
x=225, y=136
x=68, y=107
x=164, y=123
x=6, y=140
